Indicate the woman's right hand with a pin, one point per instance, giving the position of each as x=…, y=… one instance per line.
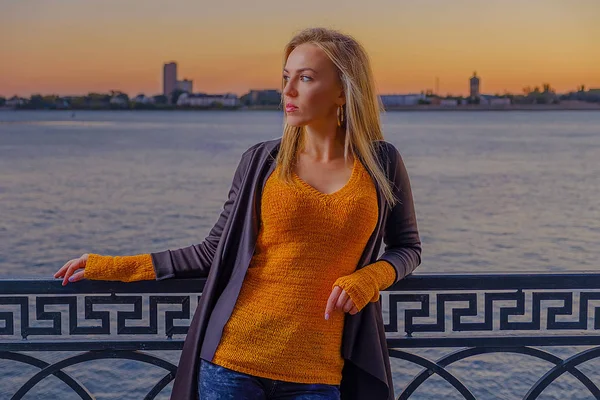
x=67, y=272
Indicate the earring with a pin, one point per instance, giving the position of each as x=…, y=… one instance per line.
x=340, y=115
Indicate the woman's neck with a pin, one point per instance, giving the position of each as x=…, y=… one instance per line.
x=323, y=145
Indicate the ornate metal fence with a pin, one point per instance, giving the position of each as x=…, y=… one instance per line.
x=525, y=314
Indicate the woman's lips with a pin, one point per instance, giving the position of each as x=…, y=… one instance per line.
x=290, y=108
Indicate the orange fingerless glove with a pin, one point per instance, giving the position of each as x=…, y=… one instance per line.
x=119, y=268
x=364, y=284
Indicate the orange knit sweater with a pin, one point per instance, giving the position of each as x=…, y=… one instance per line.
x=308, y=243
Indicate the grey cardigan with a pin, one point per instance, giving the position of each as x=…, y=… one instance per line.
x=224, y=256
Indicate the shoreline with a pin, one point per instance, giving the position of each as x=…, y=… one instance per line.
x=419, y=108
x=512, y=107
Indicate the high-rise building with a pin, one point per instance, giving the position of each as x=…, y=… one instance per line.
x=185, y=85
x=474, y=86
x=169, y=79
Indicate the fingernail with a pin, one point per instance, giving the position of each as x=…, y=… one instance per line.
x=327, y=316
x=71, y=278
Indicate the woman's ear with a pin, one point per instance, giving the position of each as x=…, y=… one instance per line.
x=342, y=98
x=342, y=95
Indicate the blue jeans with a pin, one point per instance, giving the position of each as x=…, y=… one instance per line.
x=219, y=383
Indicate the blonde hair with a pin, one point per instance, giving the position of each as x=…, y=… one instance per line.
x=361, y=111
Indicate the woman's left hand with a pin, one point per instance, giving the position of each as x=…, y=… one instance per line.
x=339, y=299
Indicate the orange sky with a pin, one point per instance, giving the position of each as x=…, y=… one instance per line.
x=74, y=47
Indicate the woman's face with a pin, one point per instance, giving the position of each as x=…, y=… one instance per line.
x=312, y=91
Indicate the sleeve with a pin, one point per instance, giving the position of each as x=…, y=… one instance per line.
x=364, y=284
x=401, y=236
x=195, y=261
x=117, y=268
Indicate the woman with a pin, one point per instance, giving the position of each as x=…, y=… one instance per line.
x=291, y=303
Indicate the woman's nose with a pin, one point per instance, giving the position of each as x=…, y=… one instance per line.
x=289, y=89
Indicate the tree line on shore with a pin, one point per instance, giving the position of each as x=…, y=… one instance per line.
x=117, y=100
x=530, y=95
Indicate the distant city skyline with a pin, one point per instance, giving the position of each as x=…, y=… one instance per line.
x=170, y=83
x=73, y=48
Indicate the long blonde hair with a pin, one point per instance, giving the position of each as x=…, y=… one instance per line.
x=361, y=111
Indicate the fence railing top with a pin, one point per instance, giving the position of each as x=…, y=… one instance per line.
x=415, y=282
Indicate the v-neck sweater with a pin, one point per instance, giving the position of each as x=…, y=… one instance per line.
x=306, y=242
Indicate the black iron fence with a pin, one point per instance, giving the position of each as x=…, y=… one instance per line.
x=526, y=314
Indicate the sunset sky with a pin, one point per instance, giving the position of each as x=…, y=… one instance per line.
x=72, y=47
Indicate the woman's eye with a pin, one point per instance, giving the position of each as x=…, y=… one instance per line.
x=304, y=78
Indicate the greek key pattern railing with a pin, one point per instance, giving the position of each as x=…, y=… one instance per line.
x=90, y=302
x=473, y=314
